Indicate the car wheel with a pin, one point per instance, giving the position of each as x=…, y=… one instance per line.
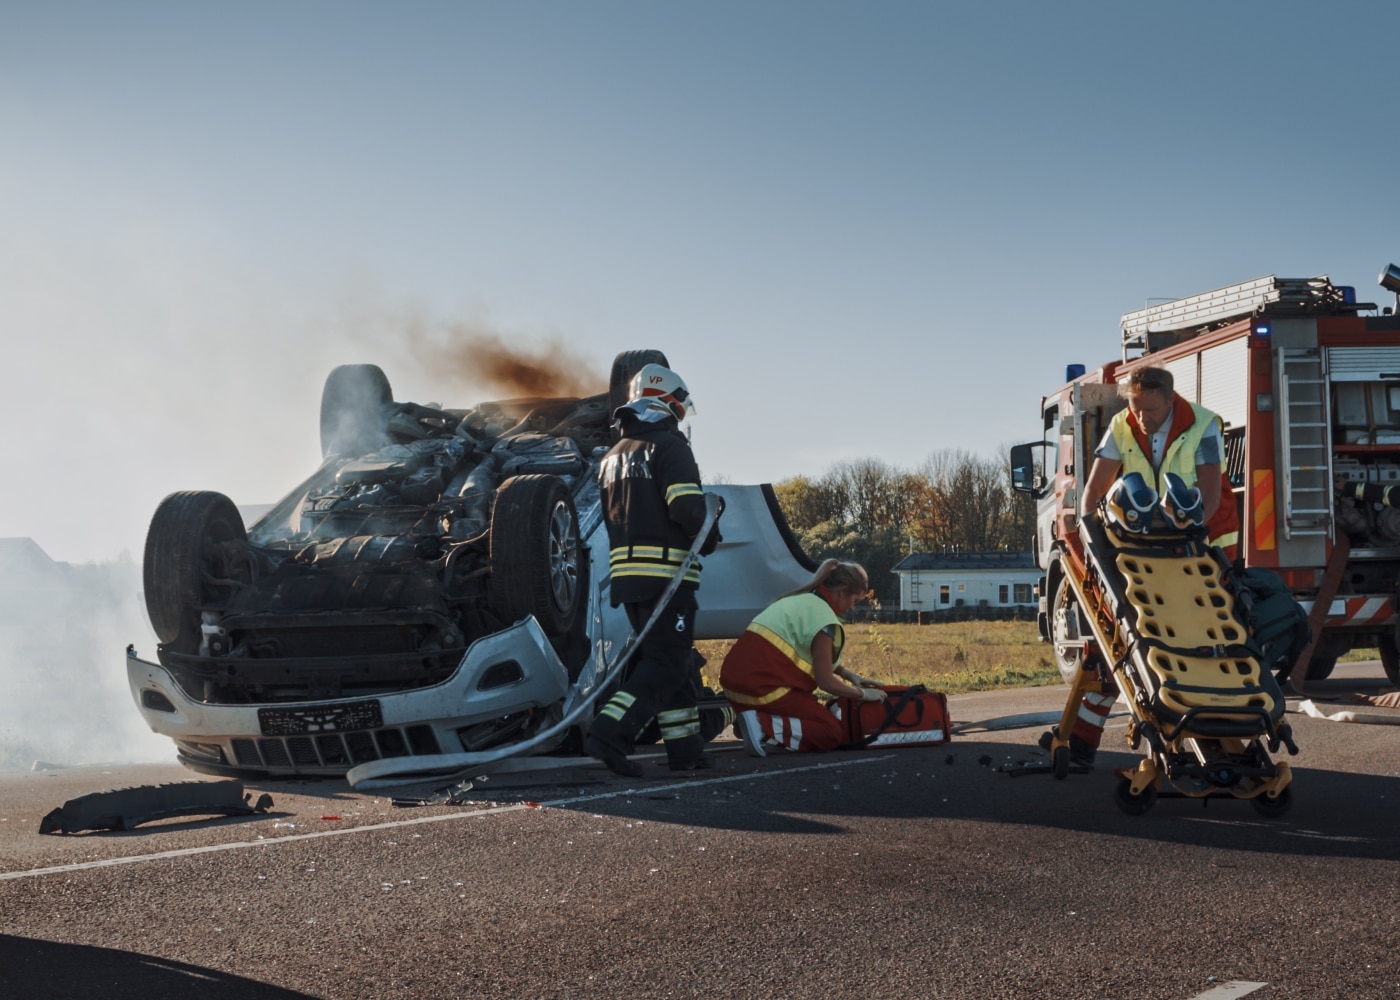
x=536, y=556
x=624, y=366
x=196, y=554
x=352, y=409
x=1066, y=628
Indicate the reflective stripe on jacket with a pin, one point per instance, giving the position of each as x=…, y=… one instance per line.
x=654, y=505
x=1189, y=425
x=774, y=655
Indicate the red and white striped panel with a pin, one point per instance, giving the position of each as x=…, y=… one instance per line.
x=1358, y=611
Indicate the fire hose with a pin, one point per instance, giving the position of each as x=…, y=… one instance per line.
x=417, y=770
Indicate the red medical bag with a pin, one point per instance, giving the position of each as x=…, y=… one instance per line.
x=911, y=717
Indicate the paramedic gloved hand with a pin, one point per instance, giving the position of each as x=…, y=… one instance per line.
x=873, y=694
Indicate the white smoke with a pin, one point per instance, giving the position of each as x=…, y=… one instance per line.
x=62, y=631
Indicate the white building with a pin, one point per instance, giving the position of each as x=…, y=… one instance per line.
x=941, y=581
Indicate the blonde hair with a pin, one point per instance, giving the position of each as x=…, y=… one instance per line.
x=833, y=574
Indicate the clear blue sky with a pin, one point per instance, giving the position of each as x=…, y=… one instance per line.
x=857, y=229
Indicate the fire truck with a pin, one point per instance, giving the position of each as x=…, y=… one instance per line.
x=1306, y=381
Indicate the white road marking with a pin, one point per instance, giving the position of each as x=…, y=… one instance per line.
x=1283, y=831
x=1228, y=991
x=399, y=824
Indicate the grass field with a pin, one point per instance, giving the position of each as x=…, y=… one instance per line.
x=951, y=657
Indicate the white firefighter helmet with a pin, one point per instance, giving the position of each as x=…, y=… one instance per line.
x=658, y=388
x=1131, y=503
x=1181, y=504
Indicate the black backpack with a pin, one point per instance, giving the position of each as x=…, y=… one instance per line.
x=1277, y=623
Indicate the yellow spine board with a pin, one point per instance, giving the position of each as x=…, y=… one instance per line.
x=1180, y=602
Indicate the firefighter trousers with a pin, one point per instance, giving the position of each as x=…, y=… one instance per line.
x=661, y=685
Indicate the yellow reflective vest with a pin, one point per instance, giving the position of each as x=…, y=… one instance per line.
x=1179, y=457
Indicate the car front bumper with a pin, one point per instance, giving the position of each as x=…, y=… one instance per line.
x=502, y=677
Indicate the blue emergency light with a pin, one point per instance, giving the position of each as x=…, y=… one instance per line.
x=1261, y=329
x=1072, y=372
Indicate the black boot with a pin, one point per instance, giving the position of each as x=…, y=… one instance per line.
x=688, y=754
x=1080, y=753
x=616, y=761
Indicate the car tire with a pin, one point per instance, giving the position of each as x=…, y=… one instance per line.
x=189, y=561
x=352, y=408
x=536, y=555
x=624, y=366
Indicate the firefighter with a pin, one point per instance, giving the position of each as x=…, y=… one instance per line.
x=1158, y=434
x=654, y=507
x=791, y=650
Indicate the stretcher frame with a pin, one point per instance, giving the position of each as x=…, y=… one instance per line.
x=1140, y=630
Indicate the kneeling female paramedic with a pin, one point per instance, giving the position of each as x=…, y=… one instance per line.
x=791, y=650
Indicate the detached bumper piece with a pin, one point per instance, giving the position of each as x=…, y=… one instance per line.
x=128, y=808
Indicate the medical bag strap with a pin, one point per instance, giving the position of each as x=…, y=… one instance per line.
x=892, y=710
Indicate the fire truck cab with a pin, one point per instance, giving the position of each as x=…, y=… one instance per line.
x=1306, y=381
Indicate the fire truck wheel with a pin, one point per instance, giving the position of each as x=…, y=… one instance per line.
x=1066, y=627
x=1390, y=658
x=1321, y=667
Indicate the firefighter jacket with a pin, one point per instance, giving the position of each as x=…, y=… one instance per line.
x=774, y=655
x=1189, y=424
x=654, y=507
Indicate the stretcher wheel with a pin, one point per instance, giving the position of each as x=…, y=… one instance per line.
x=1273, y=808
x=1059, y=763
x=1134, y=805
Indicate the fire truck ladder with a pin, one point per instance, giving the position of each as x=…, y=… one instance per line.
x=1283, y=295
x=1302, y=411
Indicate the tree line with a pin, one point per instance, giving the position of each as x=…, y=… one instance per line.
x=874, y=513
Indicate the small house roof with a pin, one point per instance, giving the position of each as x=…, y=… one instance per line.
x=965, y=561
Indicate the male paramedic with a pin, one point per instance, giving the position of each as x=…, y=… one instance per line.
x=654, y=507
x=1157, y=433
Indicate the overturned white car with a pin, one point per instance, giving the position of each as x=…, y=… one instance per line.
x=433, y=597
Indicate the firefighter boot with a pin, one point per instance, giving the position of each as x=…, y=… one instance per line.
x=688, y=754
x=611, y=735
x=685, y=746
x=1080, y=752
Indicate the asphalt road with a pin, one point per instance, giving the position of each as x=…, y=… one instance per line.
x=909, y=873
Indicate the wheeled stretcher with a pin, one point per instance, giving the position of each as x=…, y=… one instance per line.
x=1160, y=605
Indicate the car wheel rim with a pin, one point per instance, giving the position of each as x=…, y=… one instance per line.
x=563, y=556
